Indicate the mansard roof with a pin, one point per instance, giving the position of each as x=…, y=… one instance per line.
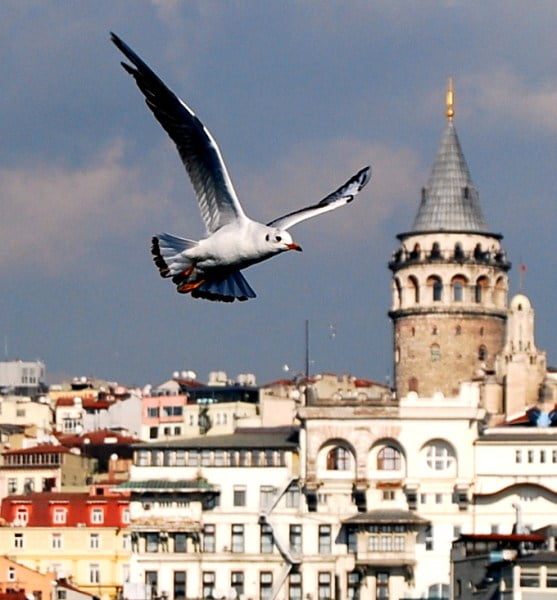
x=450, y=201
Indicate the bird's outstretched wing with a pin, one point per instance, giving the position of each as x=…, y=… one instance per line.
x=342, y=196
x=200, y=153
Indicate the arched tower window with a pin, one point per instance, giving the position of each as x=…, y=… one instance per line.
x=458, y=284
x=436, y=285
x=416, y=252
x=398, y=293
x=480, y=289
x=413, y=384
x=414, y=289
x=435, y=251
x=435, y=350
x=458, y=330
x=482, y=353
x=500, y=292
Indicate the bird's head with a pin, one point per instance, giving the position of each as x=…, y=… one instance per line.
x=280, y=240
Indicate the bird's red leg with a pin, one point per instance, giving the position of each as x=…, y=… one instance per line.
x=188, y=287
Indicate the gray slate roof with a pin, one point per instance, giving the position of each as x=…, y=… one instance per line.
x=450, y=202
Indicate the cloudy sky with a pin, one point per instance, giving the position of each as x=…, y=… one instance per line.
x=299, y=95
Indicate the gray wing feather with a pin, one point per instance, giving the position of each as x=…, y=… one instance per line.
x=340, y=197
x=198, y=150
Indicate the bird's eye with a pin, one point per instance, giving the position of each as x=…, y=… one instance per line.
x=278, y=238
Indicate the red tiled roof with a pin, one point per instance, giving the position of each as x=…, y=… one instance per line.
x=40, y=508
x=40, y=449
x=98, y=436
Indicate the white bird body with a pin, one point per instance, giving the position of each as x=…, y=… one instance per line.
x=210, y=268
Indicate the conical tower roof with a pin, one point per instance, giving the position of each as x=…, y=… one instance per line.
x=450, y=201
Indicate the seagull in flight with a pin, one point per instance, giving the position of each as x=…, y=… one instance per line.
x=211, y=267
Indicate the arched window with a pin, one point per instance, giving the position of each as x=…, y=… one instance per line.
x=482, y=353
x=458, y=330
x=435, y=251
x=500, y=292
x=480, y=289
x=458, y=284
x=338, y=459
x=458, y=252
x=439, y=456
x=388, y=459
x=416, y=252
x=414, y=289
x=436, y=288
x=398, y=292
x=435, y=352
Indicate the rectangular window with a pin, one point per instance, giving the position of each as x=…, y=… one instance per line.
x=324, y=587
x=209, y=538
x=18, y=540
x=59, y=516
x=208, y=584
x=529, y=577
x=193, y=458
x=219, y=458
x=11, y=574
x=12, y=485
x=179, y=585
x=551, y=578
x=94, y=541
x=239, y=495
x=382, y=586
x=388, y=495
x=151, y=541
x=153, y=432
x=237, y=538
x=56, y=541
x=352, y=540
x=152, y=582
x=94, y=573
x=180, y=542
x=180, y=458
x=293, y=496
x=399, y=543
x=428, y=537
x=153, y=411
x=97, y=515
x=324, y=539
x=266, y=496
x=265, y=585
x=295, y=538
x=353, y=582
x=266, y=539
x=205, y=458
x=21, y=516
x=295, y=586
x=530, y=456
x=237, y=583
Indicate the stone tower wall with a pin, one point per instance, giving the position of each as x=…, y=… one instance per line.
x=435, y=352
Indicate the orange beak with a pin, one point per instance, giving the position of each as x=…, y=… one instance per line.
x=294, y=247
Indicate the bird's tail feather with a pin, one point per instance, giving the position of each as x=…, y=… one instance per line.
x=167, y=254
x=231, y=287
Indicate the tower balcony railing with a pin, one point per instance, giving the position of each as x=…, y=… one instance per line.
x=403, y=258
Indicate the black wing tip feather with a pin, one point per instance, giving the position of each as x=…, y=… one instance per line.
x=158, y=259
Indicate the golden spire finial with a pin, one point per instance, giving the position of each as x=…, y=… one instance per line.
x=450, y=100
